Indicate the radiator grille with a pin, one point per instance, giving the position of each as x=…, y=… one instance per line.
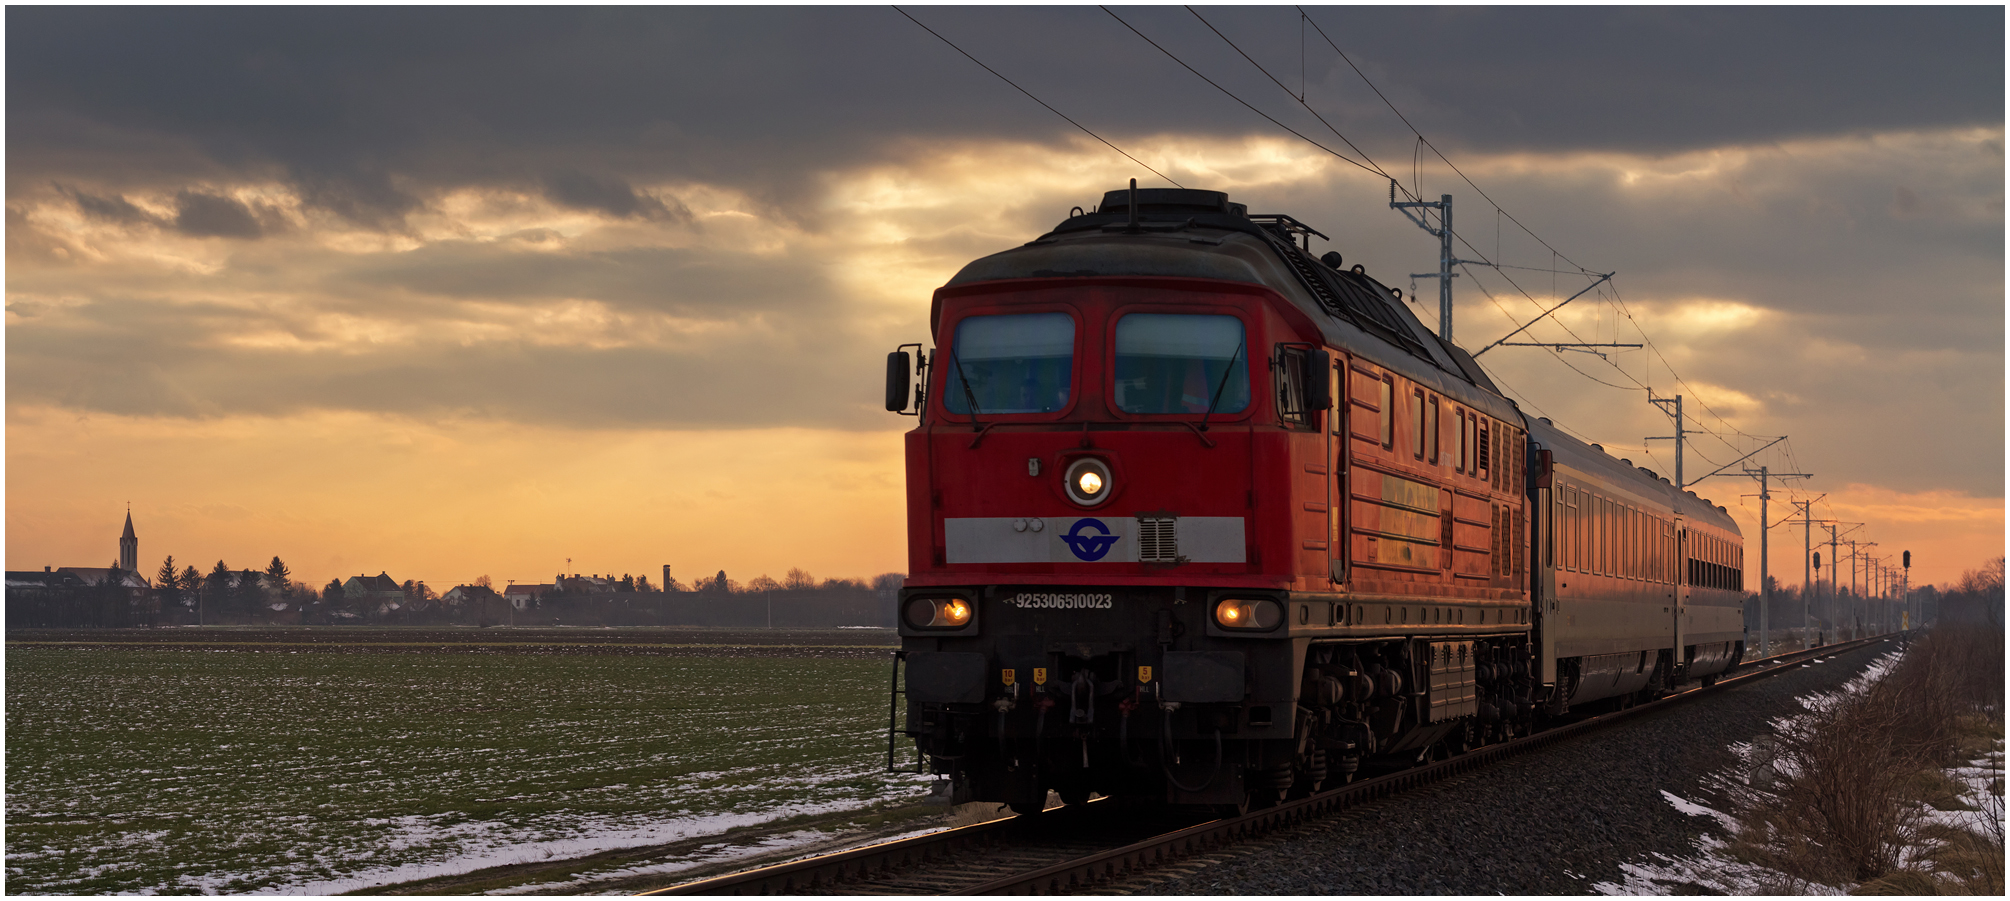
x=1158, y=539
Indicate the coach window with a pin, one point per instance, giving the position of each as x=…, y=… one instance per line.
x=1632, y=543
x=1182, y=363
x=1604, y=509
x=1630, y=518
x=1590, y=504
x=1617, y=512
x=1017, y=363
x=1388, y=413
x=1566, y=527
x=1576, y=536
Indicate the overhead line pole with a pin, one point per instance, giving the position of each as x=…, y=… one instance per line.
x=1807, y=561
x=1765, y=534
x=1444, y=275
x=1663, y=403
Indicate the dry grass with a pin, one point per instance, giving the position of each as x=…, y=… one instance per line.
x=1857, y=792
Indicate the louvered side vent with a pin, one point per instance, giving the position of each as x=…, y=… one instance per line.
x=1158, y=539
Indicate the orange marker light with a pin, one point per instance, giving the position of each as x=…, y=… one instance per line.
x=1257, y=614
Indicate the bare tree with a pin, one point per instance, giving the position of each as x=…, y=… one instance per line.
x=798, y=580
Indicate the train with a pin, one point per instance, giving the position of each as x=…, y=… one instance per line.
x=1197, y=518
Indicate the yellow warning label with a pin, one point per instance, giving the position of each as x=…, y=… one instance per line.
x=1039, y=675
x=1010, y=675
x=1144, y=674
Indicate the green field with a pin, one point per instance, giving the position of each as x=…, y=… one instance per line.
x=265, y=767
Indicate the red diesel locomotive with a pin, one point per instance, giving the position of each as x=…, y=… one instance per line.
x=1196, y=517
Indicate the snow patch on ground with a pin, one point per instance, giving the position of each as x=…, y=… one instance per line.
x=484, y=845
x=1710, y=865
x=1697, y=810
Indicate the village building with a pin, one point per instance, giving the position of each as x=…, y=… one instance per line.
x=468, y=594
x=381, y=589
x=524, y=597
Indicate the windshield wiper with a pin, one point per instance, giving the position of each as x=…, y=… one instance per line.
x=964, y=380
x=1224, y=384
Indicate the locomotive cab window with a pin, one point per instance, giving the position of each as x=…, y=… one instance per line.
x=1181, y=363
x=1289, y=376
x=1014, y=363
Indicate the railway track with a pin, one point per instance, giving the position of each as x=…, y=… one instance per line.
x=1071, y=849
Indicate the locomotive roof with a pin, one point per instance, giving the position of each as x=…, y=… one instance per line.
x=1595, y=462
x=1200, y=234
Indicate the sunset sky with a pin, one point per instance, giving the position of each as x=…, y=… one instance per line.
x=454, y=292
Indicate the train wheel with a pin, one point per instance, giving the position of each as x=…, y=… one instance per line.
x=1028, y=809
x=1073, y=796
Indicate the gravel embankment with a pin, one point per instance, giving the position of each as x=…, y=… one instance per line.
x=1554, y=821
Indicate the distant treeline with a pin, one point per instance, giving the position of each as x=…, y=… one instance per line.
x=185, y=596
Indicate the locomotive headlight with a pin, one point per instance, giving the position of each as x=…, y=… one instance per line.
x=938, y=613
x=1260, y=614
x=1087, y=481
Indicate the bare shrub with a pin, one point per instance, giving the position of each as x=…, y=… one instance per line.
x=1840, y=795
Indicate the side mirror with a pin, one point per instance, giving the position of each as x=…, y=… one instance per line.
x=1318, y=392
x=898, y=364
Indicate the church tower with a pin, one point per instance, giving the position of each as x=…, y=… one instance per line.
x=129, y=547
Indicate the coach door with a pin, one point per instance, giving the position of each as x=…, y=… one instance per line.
x=1681, y=586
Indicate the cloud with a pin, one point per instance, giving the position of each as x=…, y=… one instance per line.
x=369, y=112
x=114, y=208
x=213, y=216
x=613, y=196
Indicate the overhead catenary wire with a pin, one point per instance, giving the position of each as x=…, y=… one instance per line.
x=1373, y=167
x=1615, y=300
x=1029, y=94
x=1231, y=95
x=1370, y=166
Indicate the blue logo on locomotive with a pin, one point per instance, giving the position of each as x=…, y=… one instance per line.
x=1090, y=547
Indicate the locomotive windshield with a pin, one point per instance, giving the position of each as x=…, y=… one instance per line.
x=1181, y=363
x=1018, y=363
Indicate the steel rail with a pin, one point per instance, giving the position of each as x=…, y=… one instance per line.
x=810, y=874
